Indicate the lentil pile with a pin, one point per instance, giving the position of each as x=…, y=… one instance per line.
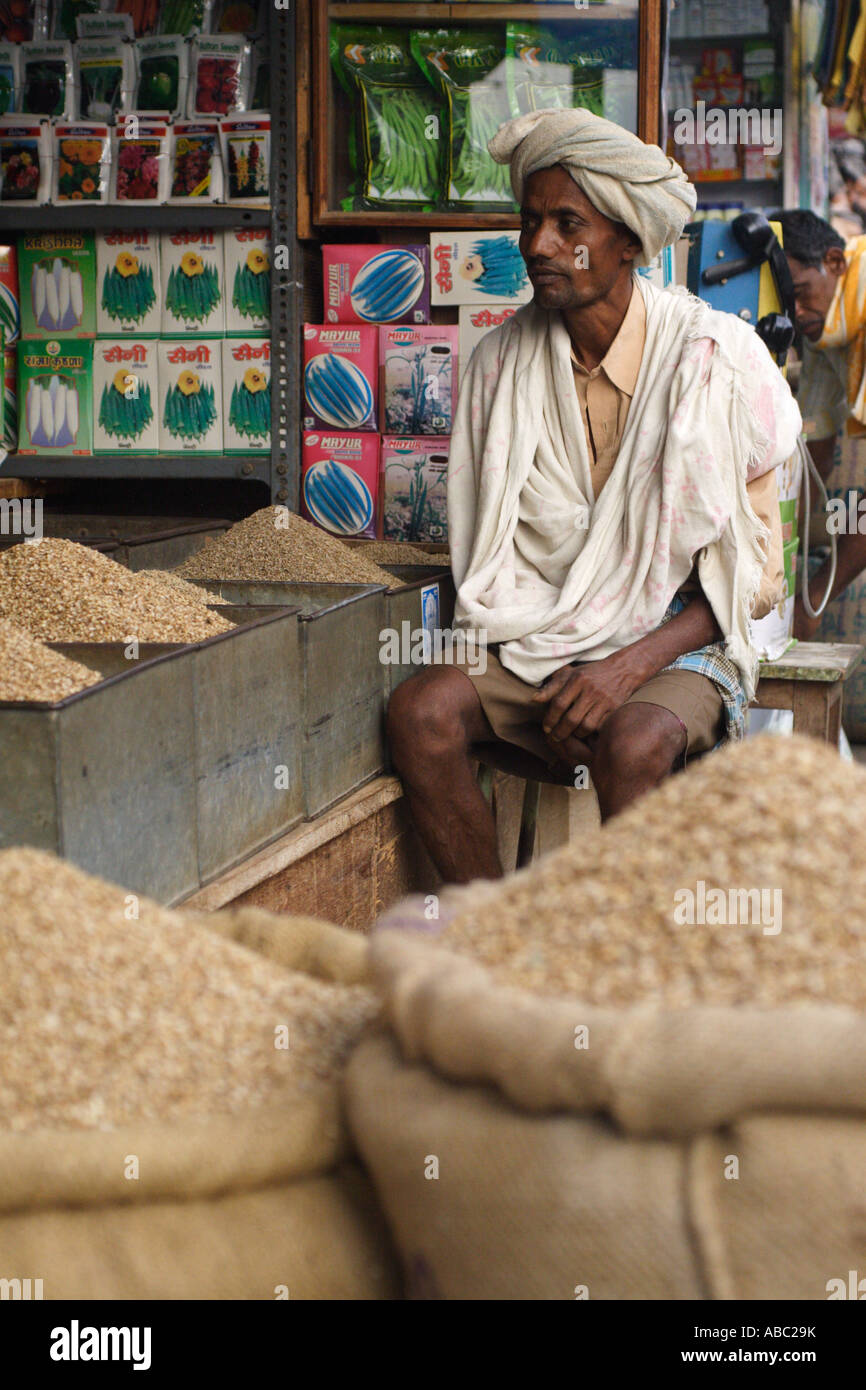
x=399, y=553
x=275, y=546
x=64, y=592
x=182, y=586
x=106, y=1021
x=31, y=671
x=596, y=920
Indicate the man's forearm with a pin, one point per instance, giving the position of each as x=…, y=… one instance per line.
x=694, y=627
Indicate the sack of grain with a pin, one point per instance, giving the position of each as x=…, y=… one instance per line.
x=638, y=1069
x=170, y=1117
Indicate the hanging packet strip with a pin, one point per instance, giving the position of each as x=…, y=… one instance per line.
x=414, y=487
x=25, y=160
x=247, y=395
x=246, y=145
x=418, y=379
x=190, y=397
x=82, y=162
x=196, y=174
x=125, y=396
x=128, y=284
x=340, y=482
x=105, y=78
x=467, y=67
x=104, y=26
x=247, y=256
x=184, y=16
x=394, y=144
x=219, y=75
x=10, y=78
x=163, y=75
x=140, y=164
x=47, y=79
x=54, y=397
x=144, y=15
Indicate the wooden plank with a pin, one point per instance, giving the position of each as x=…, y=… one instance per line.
x=321, y=111
x=814, y=661
x=775, y=694
x=811, y=709
x=649, y=71
x=303, y=96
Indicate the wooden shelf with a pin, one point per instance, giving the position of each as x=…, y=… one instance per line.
x=495, y=14
x=139, y=466
x=21, y=217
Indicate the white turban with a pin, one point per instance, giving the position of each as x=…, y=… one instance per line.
x=625, y=179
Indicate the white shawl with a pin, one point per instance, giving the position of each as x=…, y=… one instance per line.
x=710, y=412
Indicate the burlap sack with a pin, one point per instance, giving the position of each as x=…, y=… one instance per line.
x=698, y=1153
x=267, y=1204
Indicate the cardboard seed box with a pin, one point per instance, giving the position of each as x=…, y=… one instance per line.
x=129, y=287
x=190, y=397
x=414, y=487
x=125, y=396
x=10, y=311
x=193, y=292
x=477, y=268
x=418, y=368
x=247, y=395
x=247, y=256
x=474, y=321
x=57, y=280
x=337, y=393
x=365, y=282
x=340, y=482
x=54, y=397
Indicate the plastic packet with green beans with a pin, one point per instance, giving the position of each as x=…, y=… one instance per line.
x=105, y=72
x=163, y=74
x=551, y=66
x=468, y=67
x=395, y=146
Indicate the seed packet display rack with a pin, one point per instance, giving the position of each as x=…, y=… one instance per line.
x=279, y=471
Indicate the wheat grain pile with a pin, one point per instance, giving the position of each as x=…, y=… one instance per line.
x=276, y=546
x=107, y=1020
x=182, y=586
x=64, y=592
x=31, y=671
x=399, y=553
x=596, y=919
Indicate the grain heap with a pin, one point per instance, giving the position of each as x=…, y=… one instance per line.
x=400, y=553
x=182, y=586
x=31, y=671
x=105, y=1021
x=64, y=592
x=276, y=546
x=596, y=920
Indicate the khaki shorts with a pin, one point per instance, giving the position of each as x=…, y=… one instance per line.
x=507, y=702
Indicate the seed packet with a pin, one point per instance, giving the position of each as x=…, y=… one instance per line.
x=128, y=299
x=219, y=75
x=394, y=146
x=474, y=267
x=246, y=143
x=66, y=14
x=10, y=310
x=340, y=376
x=163, y=74
x=22, y=20
x=414, y=486
x=550, y=67
x=47, y=79
x=477, y=319
x=237, y=16
x=104, y=26
x=140, y=162
x=105, y=78
x=247, y=395
x=25, y=160
x=467, y=68
x=10, y=78
x=193, y=284
x=340, y=482
x=125, y=396
x=370, y=283
x=418, y=379
x=184, y=16
x=9, y=437
x=82, y=160
x=248, y=280
x=54, y=397
x=57, y=273
x=144, y=15
x=190, y=397
x=196, y=172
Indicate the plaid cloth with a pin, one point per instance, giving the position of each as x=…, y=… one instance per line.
x=712, y=662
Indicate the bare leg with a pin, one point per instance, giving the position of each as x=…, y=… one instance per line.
x=637, y=749
x=434, y=718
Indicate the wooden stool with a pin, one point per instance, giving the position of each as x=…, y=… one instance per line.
x=516, y=763
x=810, y=680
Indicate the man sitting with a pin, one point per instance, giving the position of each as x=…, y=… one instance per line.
x=612, y=506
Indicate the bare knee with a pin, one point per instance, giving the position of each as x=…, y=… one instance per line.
x=638, y=746
x=427, y=718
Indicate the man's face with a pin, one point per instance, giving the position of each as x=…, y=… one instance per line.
x=574, y=254
x=814, y=287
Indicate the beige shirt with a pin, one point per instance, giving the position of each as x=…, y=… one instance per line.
x=605, y=394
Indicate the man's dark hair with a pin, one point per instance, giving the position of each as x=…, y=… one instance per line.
x=806, y=236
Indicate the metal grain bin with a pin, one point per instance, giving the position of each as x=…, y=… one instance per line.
x=343, y=690
x=166, y=547
x=408, y=604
